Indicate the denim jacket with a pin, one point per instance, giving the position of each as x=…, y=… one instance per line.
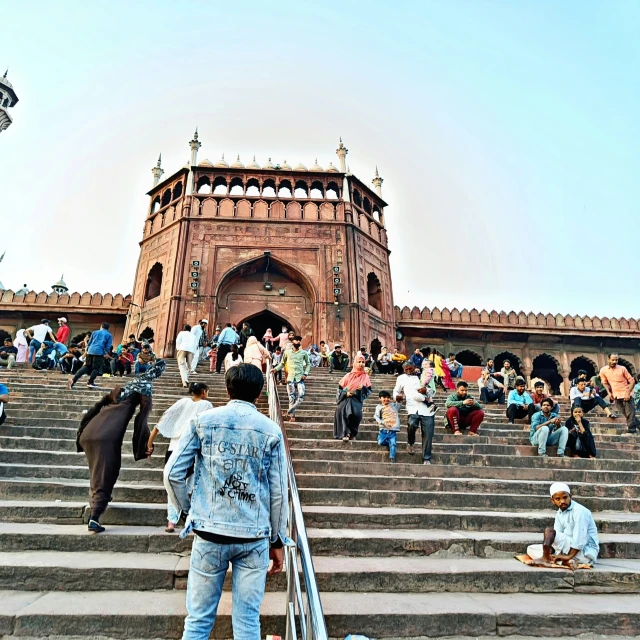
x=240, y=476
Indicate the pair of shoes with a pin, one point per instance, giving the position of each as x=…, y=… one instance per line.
x=345, y=438
x=427, y=462
x=95, y=527
x=614, y=415
x=91, y=385
x=410, y=449
x=542, y=455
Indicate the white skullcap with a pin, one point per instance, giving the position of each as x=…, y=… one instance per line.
x=558, y=487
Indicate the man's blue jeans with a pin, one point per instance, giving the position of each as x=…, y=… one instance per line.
x=544, y=437
x=140, y=368
x=208, y=568
x=456, y=372
x=389, y=439
x=296, y=391
x=34, y=347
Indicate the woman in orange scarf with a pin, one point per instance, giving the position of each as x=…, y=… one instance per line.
x=353, y=390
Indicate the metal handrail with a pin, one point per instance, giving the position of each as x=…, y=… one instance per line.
x=309, y=619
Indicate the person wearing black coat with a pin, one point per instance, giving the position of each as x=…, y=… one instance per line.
x=581, y=440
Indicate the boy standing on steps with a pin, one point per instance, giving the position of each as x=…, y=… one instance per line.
x=386, y=415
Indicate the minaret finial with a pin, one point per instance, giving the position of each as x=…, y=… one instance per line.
x=377, y=182
x=342, y=151
x=157, y=171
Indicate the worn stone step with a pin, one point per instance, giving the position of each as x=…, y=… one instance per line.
x=336, y=517
x=39, y=458
x=131, y=474
x=47, y=444
x=381, y=615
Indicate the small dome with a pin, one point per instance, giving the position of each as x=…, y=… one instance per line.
x=253, y=164
x=269, y=165
x=222, y=163
x=301, y=167
x=237, y=164
x=205, y=163
x=331, y=168
x=316, y=167
x=285, y=166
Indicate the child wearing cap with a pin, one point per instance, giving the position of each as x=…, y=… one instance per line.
x=388, y=419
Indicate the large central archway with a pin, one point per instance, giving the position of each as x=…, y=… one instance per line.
x=269, y=293
x=263, y=320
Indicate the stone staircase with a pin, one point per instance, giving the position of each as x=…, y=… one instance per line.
x=400, y=550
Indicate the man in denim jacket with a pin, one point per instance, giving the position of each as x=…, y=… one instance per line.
x=238, y=509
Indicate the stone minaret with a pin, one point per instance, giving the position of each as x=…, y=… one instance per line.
x=157, y=171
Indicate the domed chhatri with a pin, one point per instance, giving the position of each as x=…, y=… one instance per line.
x=316, y=166
x=301, y=167
x=206, y=163
x=237, y=164
x=253, y=164
x=331, y=168
x=269, y=165
x=222, y=163
x=285, y=166
x=60, y=287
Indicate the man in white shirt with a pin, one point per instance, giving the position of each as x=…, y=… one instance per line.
x=200, y=334
x=185, y=348
x=420, y=409
x=38, y=334
x=585, y=397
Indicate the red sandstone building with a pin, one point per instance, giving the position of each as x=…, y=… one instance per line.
x=307, y=248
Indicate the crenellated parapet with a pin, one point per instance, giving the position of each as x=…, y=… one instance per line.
x=78, y=302
x=515, y=321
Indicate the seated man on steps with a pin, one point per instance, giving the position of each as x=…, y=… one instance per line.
x=518, y=402
x=585, y=397
x=490, y=389
x=547, y=429
x=574, y=537
x=454, y=366
x=338, y=360
x=538, y=395
x=463, y=411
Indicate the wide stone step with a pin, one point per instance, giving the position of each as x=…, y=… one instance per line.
x=333, y=517
x=352, y=497
x=381, y=615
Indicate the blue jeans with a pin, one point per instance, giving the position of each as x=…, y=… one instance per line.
x=208, y=568
x=542, y=437
x=34, y=346
x=140, y=368
x=456, y=373
x=389, y=439
x=296, y=391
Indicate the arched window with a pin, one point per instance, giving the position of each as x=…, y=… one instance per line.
x=203, y=185
x=357, y=198
x=253, y=187
x=625, y=363
x=333, y=191
x=147, y=334
x=317, y=190
x=166, y=198
x=469, y=358
x=546, y=368
x=237, y=188
x=269, y=188
x=301, y=190
x=177, y=190
x=284, y=190
x=154, y=282
x=219, y=186
x=367, y=205
x=155, y=205
x=582, y=364
x=376, y=217
x=374, y=291
x=498, y=361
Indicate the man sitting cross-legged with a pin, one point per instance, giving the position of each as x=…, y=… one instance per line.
x=463, y=411
x=518, y=402
x=585, y=397
x=574, y=537
x=547, y=429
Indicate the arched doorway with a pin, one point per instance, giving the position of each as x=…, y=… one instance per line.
x=545, y=367
x=264, y=320
x=267, y=284
x=581, y=363
x=498, y=361
x=469, y=358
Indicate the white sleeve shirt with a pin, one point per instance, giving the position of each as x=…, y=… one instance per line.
x=185, y=341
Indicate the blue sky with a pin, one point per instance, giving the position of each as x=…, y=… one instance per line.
x=507, y=133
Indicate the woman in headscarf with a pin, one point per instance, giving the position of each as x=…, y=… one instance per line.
x=581, y=440
x=102, y=431
x=353, y=390
x=268, y=340
x=255, y=353
x=172, y=424
x=22, y=345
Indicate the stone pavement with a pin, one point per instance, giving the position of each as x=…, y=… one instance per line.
x=400, y=550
